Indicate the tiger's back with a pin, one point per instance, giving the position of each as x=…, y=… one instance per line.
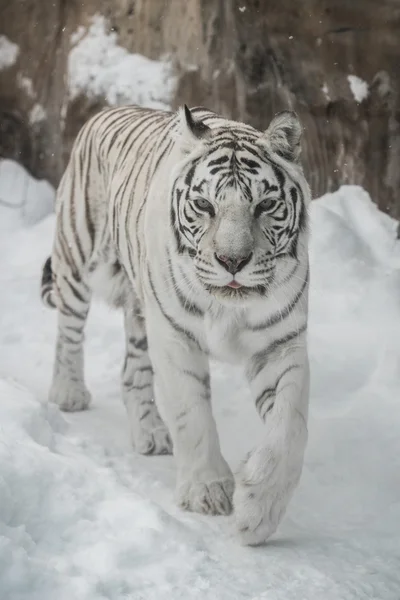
x=111, y=160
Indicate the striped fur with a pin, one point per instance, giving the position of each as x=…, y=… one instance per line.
x=197, y=227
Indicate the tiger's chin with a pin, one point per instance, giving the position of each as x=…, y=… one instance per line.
x=242, y=295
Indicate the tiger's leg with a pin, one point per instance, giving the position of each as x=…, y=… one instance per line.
x=149, y=434
x=68, y=389
x=182, y=389
x=271, y=472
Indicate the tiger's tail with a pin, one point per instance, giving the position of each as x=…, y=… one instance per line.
x=46, y=291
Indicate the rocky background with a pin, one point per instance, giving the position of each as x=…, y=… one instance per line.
x=246, y=59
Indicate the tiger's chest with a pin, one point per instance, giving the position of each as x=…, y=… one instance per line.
x=228, y=337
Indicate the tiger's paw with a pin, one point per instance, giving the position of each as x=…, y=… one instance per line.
x=149, y=434
x=258, y=512
x=153, y=441
x=69, y=396
x=264, y=488
x=207, y=497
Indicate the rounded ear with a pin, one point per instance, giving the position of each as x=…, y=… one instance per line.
x=283, y=135
x=190, y=131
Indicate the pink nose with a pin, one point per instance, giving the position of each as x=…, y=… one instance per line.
x=233, y=265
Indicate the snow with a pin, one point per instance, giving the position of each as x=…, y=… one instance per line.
x=37, y=114
x=8, y=52
x=325, y=91
x=83, y=517
x=359, y=88
x=26, y=199
x=26, y=84
x=99, y=67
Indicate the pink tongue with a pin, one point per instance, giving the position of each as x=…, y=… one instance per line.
x=234, y=284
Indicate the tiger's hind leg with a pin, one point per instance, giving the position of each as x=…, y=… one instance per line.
x=149, y=434
x=68, y=389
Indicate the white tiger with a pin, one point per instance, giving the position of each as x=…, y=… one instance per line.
x=197, y=227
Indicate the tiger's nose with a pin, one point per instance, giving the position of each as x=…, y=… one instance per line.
x=233, y=265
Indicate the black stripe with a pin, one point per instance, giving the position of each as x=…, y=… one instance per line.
x=218, y=161
x=140, y=387
x=139, y=344
x=108, y=124
x=179, y=245
x=270, y=407
x=188, y=306
x=284, y=312
x=252, y=164
x=259, y=360
x=136, y=134
x=206, y=271
x=74, y=329
x=263, y=271
x=47, y=273
x=75, y=292
x=181, y=415
x=170, y=320
x=303, y=213
x=144, y=369
x=88, y=214
x=72, y=215
x=271, y=391
x=204, y=381
x=68, y=311
x=65, y=249
x=181, y=227
x=190, y=174
x=71, y=340
x=116, y=128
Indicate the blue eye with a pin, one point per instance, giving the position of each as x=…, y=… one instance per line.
x=263, y=206
x=204, y=205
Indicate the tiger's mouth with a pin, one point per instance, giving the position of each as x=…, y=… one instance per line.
x=236, y=292
x=234, y=285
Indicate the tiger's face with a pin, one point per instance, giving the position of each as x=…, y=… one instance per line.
x=239, y=209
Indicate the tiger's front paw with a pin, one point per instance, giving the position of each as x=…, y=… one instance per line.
x=148, y=432
x=153, y=441
x=212, y=497
x=264, y=488
x=258, y=512
x=69, y=396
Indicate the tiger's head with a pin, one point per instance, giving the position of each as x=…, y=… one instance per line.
x=239, y=203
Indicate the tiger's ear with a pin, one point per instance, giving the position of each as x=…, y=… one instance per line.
x=190, y=131
x=283, y=135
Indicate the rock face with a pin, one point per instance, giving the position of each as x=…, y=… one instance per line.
x=246, y=59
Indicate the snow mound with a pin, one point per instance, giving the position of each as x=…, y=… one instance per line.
x=98, y=67
x=83, y=517
x=359, y=88
x=24, y=200
x=8, y=52
x=65, y=516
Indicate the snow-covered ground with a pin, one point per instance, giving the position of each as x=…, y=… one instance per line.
x=83, y=518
